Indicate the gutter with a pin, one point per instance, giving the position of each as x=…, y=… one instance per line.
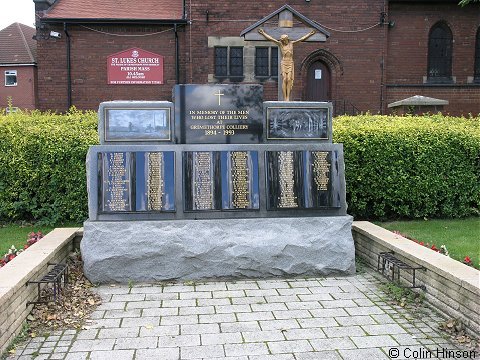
x=115, y=21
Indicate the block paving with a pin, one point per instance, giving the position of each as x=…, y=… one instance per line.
x=278, y=319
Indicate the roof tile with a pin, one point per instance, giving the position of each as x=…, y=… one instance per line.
x=116, y=9
x=17, y=45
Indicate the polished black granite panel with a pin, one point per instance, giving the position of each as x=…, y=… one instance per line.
x=133, y=182
x=220, y=180
x=301, y=180
x=218, y=114
x=116, y=181
x=154, y=181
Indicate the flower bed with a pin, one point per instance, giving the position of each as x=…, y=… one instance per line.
x=13, y=252
x=442, y=250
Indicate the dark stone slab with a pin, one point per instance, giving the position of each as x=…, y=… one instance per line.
x=139, y=181
x=243, y=181
x=221, y=180
x=302, y=179
x=141, y=122
x=218, y=114
x=297, y=121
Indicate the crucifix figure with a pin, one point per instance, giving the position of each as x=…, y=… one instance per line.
x=286, y=65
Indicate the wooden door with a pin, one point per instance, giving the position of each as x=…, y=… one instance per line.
x=318, y=82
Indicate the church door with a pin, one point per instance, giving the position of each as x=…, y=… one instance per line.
x=318, y=82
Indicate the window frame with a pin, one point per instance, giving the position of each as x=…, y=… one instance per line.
x=229, y=65
x=272, y=69
x=6, y=74
x=442, y=62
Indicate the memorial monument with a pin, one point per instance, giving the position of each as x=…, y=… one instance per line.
x=217, y=184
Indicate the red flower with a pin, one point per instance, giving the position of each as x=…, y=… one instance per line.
x=467, y=260
x=422, y=243
x=434, y=248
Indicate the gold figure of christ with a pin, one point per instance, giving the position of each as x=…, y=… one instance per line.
x=286, y=65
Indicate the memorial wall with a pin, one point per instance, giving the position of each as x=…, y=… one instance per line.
x=218, y=151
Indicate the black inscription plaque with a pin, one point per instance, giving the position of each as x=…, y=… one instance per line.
x=201, y=181
x=284, y=179
x=221, y=180
x=300, y=179
x=155, y=181
x=218, y=114
x=116, y=182
x=240, y=180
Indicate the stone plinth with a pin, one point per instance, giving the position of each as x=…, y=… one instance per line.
x=146, y=251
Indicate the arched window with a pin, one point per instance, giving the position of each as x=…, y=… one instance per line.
x=440, y=44
x=476, y=73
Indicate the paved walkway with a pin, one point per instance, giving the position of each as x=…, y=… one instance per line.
x=315, y=318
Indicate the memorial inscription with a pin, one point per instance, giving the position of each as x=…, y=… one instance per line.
x=116, y=174
x=218, y=114
x=221, y=180
x=155, y=181
x=241, y=180
x=300, y=179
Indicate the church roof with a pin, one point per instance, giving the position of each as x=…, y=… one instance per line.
x=114, y=10
x=17, y=45
x=295, y=13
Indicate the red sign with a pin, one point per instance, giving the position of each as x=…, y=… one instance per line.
x=135, y=66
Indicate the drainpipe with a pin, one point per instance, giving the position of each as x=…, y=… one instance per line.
x=177, y=57
x=69, y=69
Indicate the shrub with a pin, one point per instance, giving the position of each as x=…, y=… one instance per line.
x=409, y=167
x=42, y=162
x=412, y=167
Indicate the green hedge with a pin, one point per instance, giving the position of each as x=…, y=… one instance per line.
x=42, y=165
x=409, y=167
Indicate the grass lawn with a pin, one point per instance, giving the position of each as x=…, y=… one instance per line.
x=461, y=237
x=13, y=234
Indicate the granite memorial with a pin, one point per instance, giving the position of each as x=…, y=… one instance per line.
x=262, y=196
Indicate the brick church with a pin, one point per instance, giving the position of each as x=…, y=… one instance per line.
x=374, y=54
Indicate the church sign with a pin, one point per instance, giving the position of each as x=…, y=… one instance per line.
x=135, y=67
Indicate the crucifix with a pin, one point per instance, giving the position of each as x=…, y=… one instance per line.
x=219, y=94
x=285, y=35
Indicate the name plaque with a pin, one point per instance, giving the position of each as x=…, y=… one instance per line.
x=299, y=179
x=155, y=181
x=221, y=180
x=117, y=184
x=218, y=114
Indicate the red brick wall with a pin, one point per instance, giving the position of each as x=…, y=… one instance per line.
x=359, y=53
x=408, y=53
x=89, y=52
x=23, y=95
x=357, y=74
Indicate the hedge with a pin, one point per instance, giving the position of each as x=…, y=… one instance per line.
x=42, y=165
x=408, y=167
x=411, y=167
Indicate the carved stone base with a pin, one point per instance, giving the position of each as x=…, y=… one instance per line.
x=147, y=251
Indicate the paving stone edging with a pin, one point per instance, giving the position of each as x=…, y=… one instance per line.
x=452, y=287
x=29, y=265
